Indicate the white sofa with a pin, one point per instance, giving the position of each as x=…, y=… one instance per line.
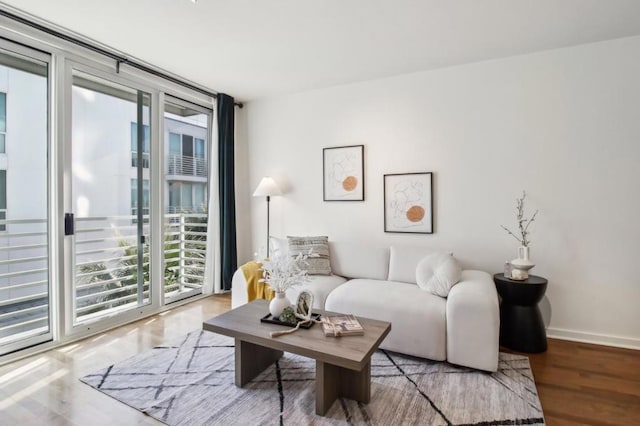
x=380, y=283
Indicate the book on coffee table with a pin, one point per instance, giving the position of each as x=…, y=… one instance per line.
x=341, y=325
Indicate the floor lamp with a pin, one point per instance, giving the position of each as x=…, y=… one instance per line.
x=267, y=188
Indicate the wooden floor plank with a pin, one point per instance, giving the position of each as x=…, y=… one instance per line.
x=580, y=383
x=577, y=383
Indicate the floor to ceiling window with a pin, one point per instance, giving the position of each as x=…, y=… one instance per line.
x=186, y=128
x=111, y=255
x=25, y=287
x=104, y=190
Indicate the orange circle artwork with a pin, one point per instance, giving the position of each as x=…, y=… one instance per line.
x=350, y=183
x=415, y=214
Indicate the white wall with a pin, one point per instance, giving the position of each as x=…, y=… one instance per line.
x=562, y=124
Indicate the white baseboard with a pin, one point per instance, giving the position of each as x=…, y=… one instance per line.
x=597, y=339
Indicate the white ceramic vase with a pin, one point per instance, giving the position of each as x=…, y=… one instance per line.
x=278, y=303
x=521, y=265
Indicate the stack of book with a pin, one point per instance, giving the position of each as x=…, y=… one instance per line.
x=341, y=325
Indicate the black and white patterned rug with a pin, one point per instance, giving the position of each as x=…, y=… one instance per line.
x=191, y=382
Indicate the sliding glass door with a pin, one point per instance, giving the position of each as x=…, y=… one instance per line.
x=104, y=191
x=186, y=179
x=25, y=290
x=110, y=187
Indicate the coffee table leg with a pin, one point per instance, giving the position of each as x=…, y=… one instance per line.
x=251, y=360
x=333, y=382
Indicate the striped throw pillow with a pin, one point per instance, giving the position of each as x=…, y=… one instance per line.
x=319, y=264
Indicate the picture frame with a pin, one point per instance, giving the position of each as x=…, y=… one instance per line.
x=408, y=203
x=343, y=173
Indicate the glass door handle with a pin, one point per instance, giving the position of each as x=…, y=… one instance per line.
x=69, y=224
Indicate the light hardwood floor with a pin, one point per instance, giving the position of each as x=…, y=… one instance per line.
x=44, y=389
x=577, y=383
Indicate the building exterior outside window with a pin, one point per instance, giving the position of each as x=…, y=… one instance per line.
x=186, y=166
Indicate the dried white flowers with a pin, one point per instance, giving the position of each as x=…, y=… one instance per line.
x=282, y=272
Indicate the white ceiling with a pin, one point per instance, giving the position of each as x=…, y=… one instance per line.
x=258, y=48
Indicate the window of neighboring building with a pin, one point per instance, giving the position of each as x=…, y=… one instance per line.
x=3, y=122
x=187, y=197
x=199, y=147
x=186, y=145
x=174, y=144
x=199, y=197
x=186, y=155
x=134, y=146
x=3, y=198
x=174, y=197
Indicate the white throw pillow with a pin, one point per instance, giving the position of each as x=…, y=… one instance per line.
x=437, y=273
x=279, y=245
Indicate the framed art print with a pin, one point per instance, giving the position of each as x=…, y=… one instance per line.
x=408, y=203
x=343, y=173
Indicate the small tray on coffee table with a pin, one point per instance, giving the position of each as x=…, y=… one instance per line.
x=272, y=320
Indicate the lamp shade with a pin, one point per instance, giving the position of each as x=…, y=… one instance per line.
x=267, y=187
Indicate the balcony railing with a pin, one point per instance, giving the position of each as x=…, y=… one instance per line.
x=106, y=268
x=24, y=296
x=186, y=166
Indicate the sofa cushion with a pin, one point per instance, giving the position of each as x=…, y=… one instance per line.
x=354, y=260
x=320, y=286
x=418, y=325
x=403, y=262
x=437, y=273
x=319, y=263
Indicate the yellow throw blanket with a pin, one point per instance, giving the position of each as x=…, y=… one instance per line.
x=255, y=288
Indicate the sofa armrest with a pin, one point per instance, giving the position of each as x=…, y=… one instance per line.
x=239, y=294
x=473, y=322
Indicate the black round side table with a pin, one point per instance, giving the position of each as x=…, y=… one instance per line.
x=521, y=325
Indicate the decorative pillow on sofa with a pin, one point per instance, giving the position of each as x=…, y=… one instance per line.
x=318, y=264
x=437, y=273
x=279, y=245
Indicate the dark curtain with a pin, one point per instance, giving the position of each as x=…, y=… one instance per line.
x=228, y=252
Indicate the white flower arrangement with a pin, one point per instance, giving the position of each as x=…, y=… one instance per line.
x=283, y=272
x=523, y=222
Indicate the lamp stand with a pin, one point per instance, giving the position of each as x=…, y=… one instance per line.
x=267, y=187
x=268, y=200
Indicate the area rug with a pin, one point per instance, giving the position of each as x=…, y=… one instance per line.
x=191, y=382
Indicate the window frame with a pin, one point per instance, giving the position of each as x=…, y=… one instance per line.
x=146, y=145
x=61, y=55
x=29, y=52
x=3, y=119
x=3, y=199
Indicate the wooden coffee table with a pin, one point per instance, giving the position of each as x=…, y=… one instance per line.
x=343, y=364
